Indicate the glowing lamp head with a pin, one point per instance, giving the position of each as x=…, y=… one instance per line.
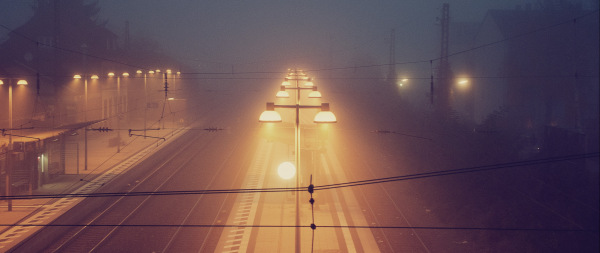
x=309, y=83
x=286, y=170
x=138, y=72
x=111, y=74
x=151, y=72
x=168, y=71
x=1, y=83
x=94, y=77
x=22, y=82
x=282, y=93
x=77, y=76
x=325, y=116
x=314, y=93
x=125, y=74
x=286, y=82
x=158, y=71
x=270, y=115
x=178, y=72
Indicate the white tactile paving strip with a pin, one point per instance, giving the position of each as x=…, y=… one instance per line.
x=238, y=237
x=49, y=212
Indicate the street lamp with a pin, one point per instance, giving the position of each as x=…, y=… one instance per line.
x=402, y=82
x=271, y=116
x=285, y=170
x=282, y=93
x=309, y=83
x=10, y=146
x=77, y=77
x=145, y=99
x=119, y=106
x=314, y=93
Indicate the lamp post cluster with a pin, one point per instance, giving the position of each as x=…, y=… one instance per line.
x=286, y=170
x=10, y=128
x=120, y=100
x=85, y=78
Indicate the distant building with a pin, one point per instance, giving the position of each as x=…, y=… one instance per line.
x=61, y=40
x=50, y=43
x=538, y=62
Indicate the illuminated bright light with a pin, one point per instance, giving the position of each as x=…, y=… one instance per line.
x=309, y=84
x=139, y=72
x=77, y=76
x=111, y=74
x=1, y=83
x=94, y=77
x=286, y=170
x=325, y=117
x=158, y=71
x=270, y=116
x=404, y=80
x=463, y=81
x=179, y=73
x=314, y=94
x=282, y=94
x=125, y=74
x=286, y=83
x=151, y=72
x=171, y=98
x=22, y=82
x=168, y=71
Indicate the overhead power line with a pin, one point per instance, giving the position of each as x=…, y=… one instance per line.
x=302, y=226
x=318, y=188
x=470, y=49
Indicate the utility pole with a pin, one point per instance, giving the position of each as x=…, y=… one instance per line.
x=444, y=72
x=85, y=70
x=9, y=149
x=392, y=68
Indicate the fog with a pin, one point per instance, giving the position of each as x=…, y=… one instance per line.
x=275, y=35
x=521, y=83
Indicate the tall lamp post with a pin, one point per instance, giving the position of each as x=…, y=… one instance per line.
x=119, y=106
x=10, y=146
x=145, y=99
x=85, y=156
x=324, y=116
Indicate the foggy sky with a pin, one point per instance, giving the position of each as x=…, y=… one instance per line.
x=257, y=35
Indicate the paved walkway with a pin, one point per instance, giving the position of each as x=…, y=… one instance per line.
x=101, y=158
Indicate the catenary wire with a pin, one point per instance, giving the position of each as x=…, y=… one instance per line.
x=322, y=187
x=307, y=226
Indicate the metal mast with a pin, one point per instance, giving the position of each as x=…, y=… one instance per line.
x=392, y=68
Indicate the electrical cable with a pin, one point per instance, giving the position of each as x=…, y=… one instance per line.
x=305, y=226
x=322, y=187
